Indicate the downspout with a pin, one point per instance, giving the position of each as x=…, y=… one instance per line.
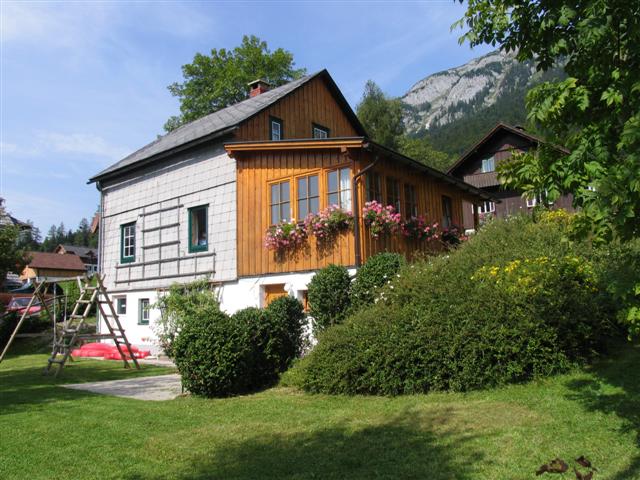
x=100, y=245
x=356, y=209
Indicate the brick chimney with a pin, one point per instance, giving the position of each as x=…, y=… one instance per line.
x=257, y=87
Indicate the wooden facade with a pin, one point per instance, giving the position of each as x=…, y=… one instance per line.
x=262, y=164
x=499, y=144
x=311, y=104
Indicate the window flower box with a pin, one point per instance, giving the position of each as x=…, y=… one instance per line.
x=381, y=219
x=418, y=228
x=329, y=222
x=285, y=235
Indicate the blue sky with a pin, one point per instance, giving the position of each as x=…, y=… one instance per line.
x=84, y=84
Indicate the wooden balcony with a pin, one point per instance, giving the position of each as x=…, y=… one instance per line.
x=483, y=180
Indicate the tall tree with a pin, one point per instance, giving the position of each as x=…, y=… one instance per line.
x=30, y=239
x=594, y=112
x=212, y=82
x=12, y=257
x=381, y=116
x=420, y=149
x=81, y=236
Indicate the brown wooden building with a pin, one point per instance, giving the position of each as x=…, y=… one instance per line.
x=478, y=168
x=52, y=265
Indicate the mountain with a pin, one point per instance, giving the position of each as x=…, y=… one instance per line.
x=456, y=107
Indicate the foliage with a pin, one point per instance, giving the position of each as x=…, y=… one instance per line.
x=214, y=354
x=12, y=257
x=381, y=116
x=329, y=222
x=328, y=293
x=212, y=82
x=529, y=309
x=419, y=229
x=286, y=235
x=181, y=301
x=220, y=355
x=377, y=271
x=594, y=112
x=421, y=149
x=380, y=219
x=81, y=237
x=618, y=268
x=453, y=236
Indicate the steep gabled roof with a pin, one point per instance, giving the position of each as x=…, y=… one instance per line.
x=494, y=131
x=220, y=123
x=76, y=250
x=55, y=261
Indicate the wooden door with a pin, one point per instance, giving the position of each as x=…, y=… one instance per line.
x=271, y=292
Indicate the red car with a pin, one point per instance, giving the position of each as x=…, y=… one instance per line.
x=19, y=305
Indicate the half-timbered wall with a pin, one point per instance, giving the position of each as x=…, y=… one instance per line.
x=311, y=103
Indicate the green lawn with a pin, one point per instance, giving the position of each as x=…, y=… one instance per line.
x=50, y=432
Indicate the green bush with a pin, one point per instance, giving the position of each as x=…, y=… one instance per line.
x=495, y=311
x=214, y=354
x=329, y=298
x=182, y=301
x=220, y=355
x=376, y=272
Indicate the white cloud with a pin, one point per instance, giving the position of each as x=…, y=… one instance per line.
x=74, y=145
x=82, y=144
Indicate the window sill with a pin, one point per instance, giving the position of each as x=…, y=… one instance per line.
x=198, y=248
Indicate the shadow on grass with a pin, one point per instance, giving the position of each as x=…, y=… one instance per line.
x=621, y=371
x=23, y=385
x=403, y=447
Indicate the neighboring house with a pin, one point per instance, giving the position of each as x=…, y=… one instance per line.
x=196, y=203
x=89, y=256
x=52, y=266
x=478, y=168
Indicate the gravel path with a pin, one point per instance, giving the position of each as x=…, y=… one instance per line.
x=158, y=388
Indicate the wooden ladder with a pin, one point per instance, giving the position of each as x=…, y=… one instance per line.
x=72, y=334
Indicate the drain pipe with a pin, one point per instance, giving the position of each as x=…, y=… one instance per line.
x=356, y=210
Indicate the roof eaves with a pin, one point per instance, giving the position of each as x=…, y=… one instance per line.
x=106, y=174
x=436, y=173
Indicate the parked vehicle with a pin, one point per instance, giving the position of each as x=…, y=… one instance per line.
x=18, y=305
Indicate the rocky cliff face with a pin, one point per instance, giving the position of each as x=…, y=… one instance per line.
x=447, y=96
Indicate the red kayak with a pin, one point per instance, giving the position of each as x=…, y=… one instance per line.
x=107, y=351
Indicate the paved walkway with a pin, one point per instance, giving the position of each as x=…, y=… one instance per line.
x=158, y=388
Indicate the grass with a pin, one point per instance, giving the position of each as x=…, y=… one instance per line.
x=47, y=431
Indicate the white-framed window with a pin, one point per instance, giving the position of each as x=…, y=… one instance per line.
x=143, y=311
x=275, y=129
x=488, y=164
x=128, y=242
x=121, y=305
x=319, y=131
x=486, y=207
x=339, y=188
x=532, y=202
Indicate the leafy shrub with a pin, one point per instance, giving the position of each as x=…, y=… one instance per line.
x=220, y=355
x=329, y=296
x=376, y=272
x=618, y=269
x=182, y=301
x=531, y=308
x=214, y=354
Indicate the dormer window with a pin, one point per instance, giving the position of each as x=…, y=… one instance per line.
x=275, y=129
x=488, y=165
x=319, y=131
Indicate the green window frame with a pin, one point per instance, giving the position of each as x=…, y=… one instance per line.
x=128, y=242
x=143, y=311
x=121, y=305
x=198, y=228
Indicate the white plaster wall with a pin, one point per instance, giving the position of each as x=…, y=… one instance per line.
x=234, y=296
x=204, y=177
